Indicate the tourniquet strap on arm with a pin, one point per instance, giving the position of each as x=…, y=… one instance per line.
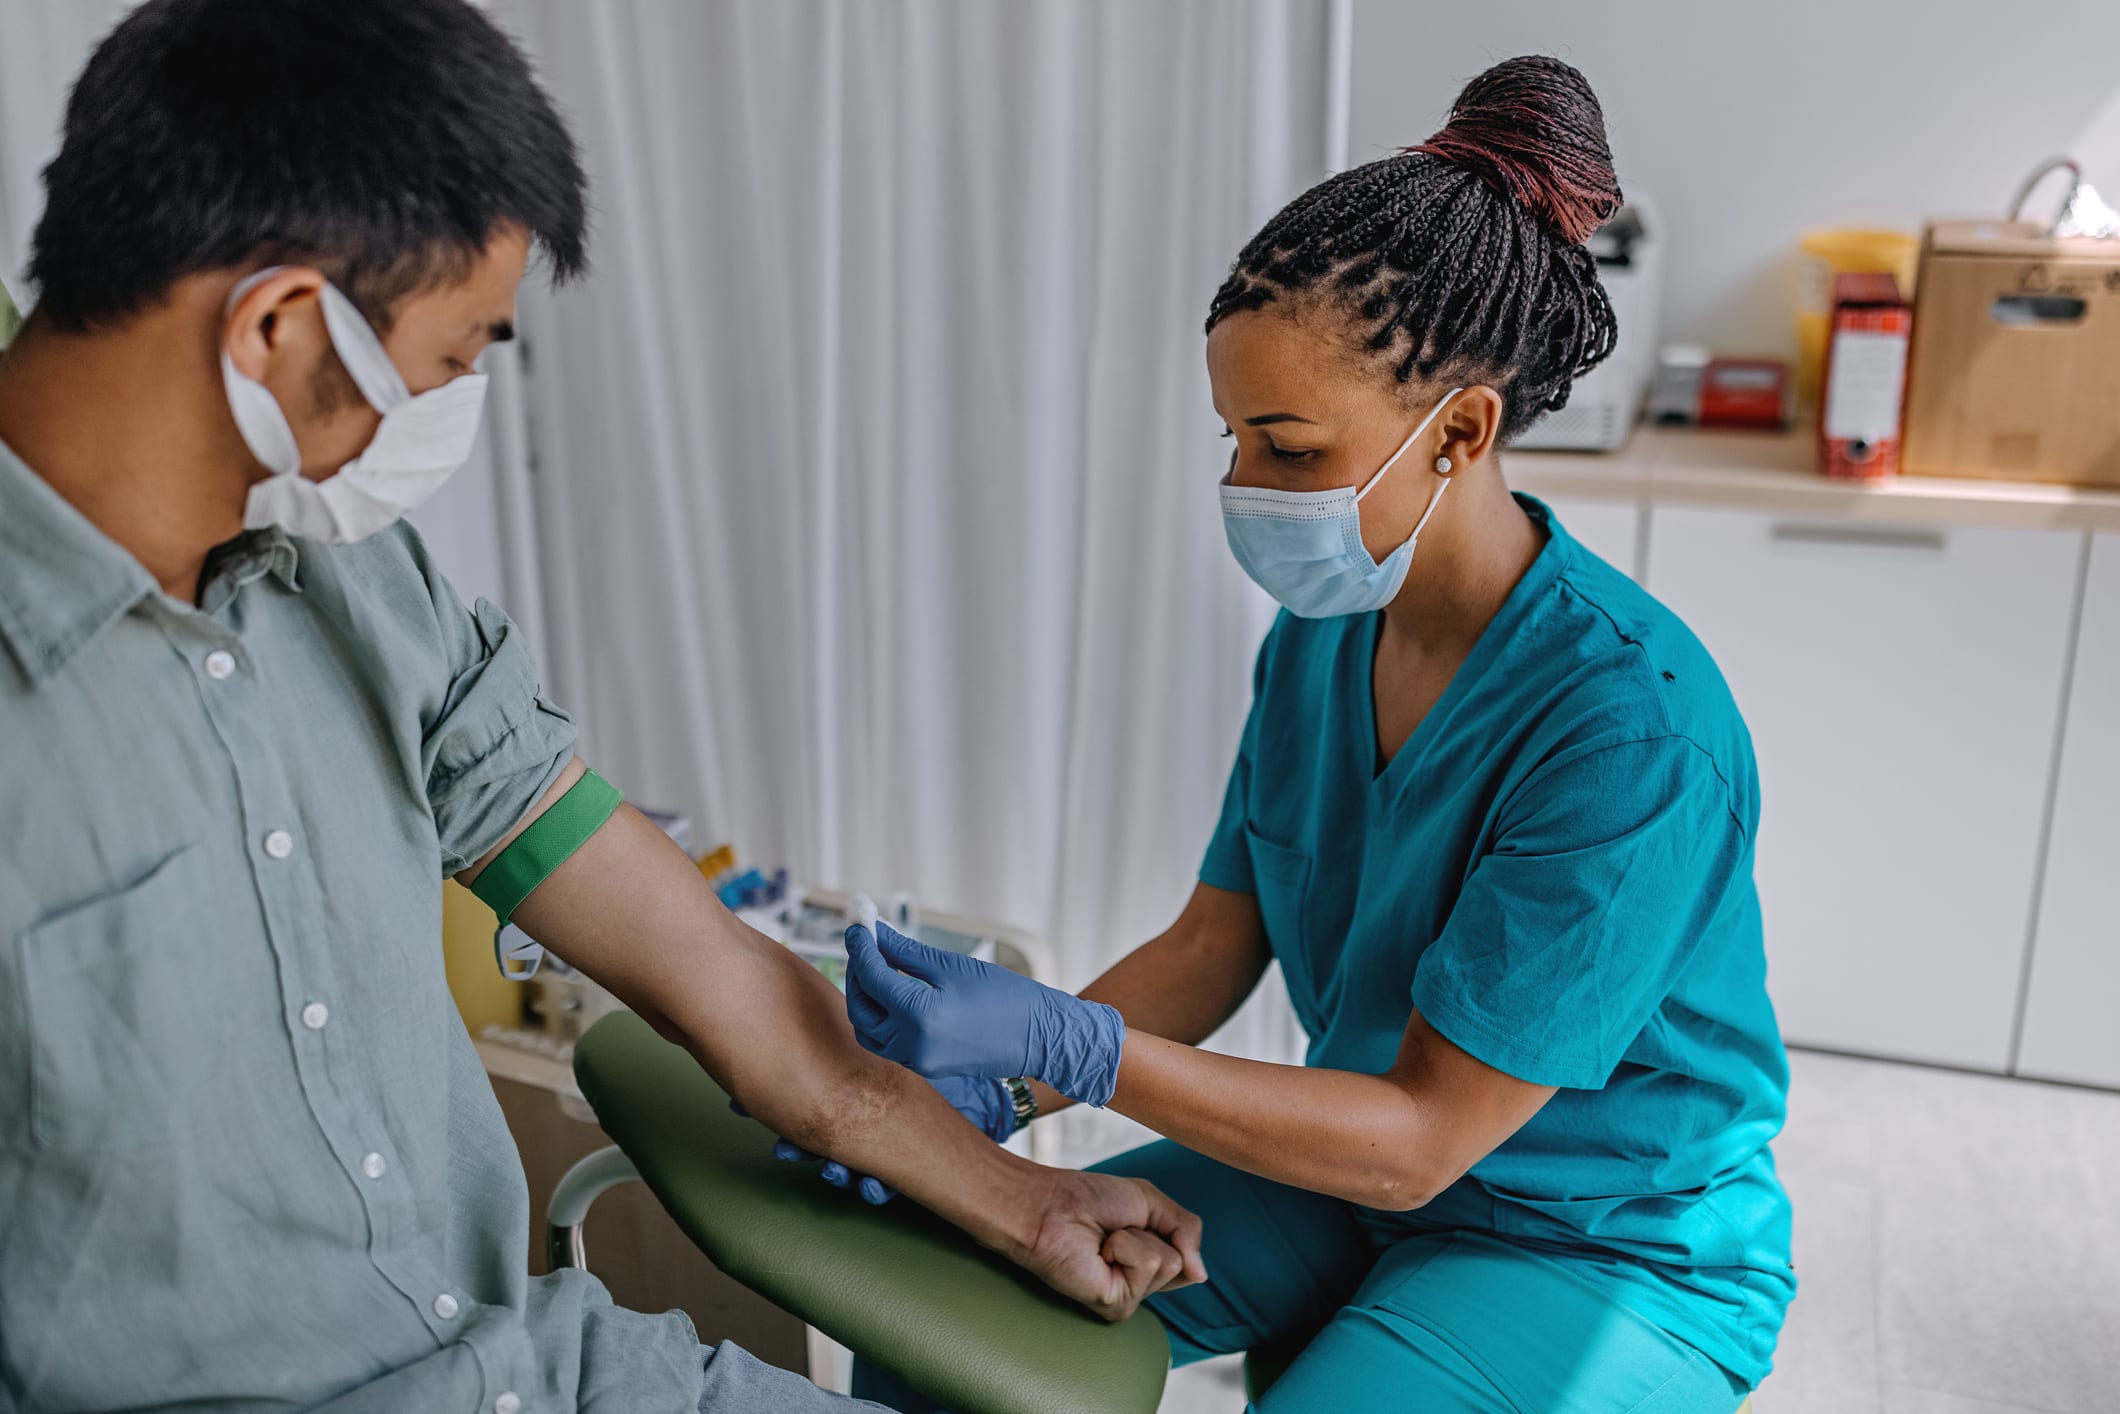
x=549, y=842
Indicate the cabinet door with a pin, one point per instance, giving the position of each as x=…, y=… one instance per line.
x=2072, y=1013
x=1902, y=686
x=1611, y=530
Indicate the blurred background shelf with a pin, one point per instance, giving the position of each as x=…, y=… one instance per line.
x=1777, y=473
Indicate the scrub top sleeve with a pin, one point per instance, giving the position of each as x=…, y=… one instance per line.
x=1571, y=932
x=1228, y=861
x=495, y=743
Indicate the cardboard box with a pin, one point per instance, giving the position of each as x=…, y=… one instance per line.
x=1865, y=378
x=2016, y=362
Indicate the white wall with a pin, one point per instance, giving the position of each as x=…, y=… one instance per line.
x=1751, y=123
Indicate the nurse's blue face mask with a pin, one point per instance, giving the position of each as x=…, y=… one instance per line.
x=1305, y=547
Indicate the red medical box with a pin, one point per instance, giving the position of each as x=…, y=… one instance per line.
x=1865, y=378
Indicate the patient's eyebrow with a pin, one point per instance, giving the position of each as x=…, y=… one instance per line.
x=1266, y=419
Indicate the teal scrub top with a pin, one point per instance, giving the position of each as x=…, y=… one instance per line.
x=1555, y=870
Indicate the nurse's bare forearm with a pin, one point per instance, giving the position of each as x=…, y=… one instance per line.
x=1387, y=1141
x=1188, y=980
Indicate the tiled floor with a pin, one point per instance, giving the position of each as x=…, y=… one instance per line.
x=1957, y=1246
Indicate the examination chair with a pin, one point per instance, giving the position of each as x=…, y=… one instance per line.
x=895, y=1284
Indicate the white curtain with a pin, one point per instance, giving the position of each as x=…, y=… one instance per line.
x=876, y=458
x=42, y=46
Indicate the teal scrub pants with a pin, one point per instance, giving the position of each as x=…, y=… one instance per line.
x=1449, y=1321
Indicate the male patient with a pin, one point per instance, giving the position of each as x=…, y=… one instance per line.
x=249, y=1158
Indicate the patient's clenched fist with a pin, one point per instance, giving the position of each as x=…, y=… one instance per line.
x=1109, y=1242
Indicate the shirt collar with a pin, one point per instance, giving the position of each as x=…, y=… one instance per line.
x=235, y=563
x=62, y=581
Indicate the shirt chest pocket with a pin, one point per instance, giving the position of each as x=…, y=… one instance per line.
x=104, y=1006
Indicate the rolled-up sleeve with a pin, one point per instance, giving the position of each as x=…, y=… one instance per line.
x=496, y=744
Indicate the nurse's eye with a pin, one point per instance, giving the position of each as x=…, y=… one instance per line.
x=1296, y=455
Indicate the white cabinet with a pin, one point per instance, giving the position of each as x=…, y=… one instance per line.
x=1611, y=530
x=1903, y=686
x=2072, y=1009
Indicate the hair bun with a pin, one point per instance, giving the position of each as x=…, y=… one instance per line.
x=1532, y=128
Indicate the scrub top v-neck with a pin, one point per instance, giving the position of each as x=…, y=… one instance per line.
x=1555, y=869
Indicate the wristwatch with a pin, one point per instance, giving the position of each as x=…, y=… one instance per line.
x=1019, y=1094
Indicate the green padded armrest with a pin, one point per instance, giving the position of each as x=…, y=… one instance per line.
x=894, y=1284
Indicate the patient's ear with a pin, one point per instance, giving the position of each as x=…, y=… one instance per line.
x=275, y=332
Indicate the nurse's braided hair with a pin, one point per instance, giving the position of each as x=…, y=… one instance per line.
x=1462, y=257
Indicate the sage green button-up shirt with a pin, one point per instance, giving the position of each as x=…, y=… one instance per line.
x=248, y=1158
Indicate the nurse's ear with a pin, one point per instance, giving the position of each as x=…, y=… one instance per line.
x=1469, y=428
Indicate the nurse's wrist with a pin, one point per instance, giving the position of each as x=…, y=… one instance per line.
x=1078, y=1044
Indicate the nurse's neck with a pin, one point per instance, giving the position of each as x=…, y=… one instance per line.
x=1472, y=553
x=130, y=425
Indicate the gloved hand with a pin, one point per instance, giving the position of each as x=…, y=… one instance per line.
x=985, y=1103
x=942, y=1013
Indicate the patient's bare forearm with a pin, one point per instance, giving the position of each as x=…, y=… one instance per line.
x=631, y=911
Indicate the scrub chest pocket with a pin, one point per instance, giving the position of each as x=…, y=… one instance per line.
x=1281, y=878
x=98, y=1020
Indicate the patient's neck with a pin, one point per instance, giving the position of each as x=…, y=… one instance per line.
x=131, y=427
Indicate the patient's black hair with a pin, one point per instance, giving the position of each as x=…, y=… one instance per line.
x=1463, y=256
x=384, y=141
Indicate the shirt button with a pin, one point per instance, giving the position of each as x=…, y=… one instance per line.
x=445, y=1306
x=509, y=1403
x=315, y=1015
x=279, y=844
x=220, y=664
x=373, y=1165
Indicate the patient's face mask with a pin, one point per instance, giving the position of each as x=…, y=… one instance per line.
x=1305, y=547
x=420, y=442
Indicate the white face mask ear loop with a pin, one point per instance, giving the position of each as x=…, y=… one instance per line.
x=1411, y=438
x=1433, y=502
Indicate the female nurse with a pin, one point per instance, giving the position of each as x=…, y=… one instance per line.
x=1493, y=813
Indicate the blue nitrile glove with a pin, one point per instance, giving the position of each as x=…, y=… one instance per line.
x=942, y=1013
x=985, y=1103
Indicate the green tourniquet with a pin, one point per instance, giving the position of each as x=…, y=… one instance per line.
x=548, y=843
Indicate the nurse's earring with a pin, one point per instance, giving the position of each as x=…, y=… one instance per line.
x=1442, y=466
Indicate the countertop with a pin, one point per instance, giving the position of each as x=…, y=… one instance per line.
x=1775, y=472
